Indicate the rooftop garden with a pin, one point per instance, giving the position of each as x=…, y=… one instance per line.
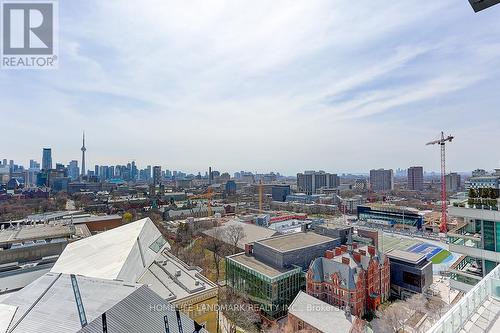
x=483, y=198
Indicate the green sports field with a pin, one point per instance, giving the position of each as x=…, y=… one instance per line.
x=438, y=258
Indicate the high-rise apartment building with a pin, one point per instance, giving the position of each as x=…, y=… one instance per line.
x=453, y=182
x=34, y=165
x=477, y=237
x=311, y=181
x=47, y=159
x=416, y=178
x=381, y=180
x=157, y=174
x=73, y=170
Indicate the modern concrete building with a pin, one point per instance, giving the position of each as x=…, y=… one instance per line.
x=72, y=303
x=156, y=174
x=297, y=249
x=310, y=181
x=338, y=231
x=138, y=253
x=416, y=178
x=28, y=252
x=271, y=271
x=411, y=273
x=453, y=182
x=381, y=180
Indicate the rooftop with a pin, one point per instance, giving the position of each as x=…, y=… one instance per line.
x=93, y=218
x=407, y=256
x=174, y=280
x=295, y=241
x=323, y=316
x=251, y=262
x=69, y=303
x=478, y=311
x=33, y=232
x=252, y=232
x=120, y=253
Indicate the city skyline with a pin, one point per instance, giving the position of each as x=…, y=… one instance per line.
x=144, y=164
x=260, y=84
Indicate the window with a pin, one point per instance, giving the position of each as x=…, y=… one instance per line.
x=412, y=279
x=157, y=245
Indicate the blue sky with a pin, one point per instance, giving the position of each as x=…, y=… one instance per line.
x=263, y=85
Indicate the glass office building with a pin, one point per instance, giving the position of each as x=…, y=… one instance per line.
x=390, y=215
x=272, y=289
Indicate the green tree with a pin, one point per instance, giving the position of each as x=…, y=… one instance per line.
x=127, y=217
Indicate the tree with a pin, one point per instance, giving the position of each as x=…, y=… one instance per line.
x=215, y=244
x=233, y=234
x=127, y=217
x=238, y=311
x=417, y=303
x=392, y=319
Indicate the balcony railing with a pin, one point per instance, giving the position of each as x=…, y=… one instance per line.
x=455, y=319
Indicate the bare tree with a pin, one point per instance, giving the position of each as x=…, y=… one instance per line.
x=216, y=245
x=238, y=312
x=392, y=319
x=233, y=233
x=436, y=309
x=417, y=302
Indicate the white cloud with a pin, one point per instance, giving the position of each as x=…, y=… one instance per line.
x=256, y=85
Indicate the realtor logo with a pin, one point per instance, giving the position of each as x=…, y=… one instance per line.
x=28, y=34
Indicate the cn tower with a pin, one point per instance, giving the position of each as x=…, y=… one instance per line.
x=83, y=155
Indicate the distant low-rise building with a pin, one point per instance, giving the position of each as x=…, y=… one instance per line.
x=280, y=192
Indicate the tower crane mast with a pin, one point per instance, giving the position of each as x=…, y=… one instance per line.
x=443, y=227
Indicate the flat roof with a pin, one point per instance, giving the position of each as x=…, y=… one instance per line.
x=252, y=232
x=322, y=316
x=412, y=257
x=256, y=265
x=94, y=218
x=295, y=241
x=33, y=232
x=174, y=280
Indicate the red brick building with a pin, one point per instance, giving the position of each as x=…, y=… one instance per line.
x=355, y=277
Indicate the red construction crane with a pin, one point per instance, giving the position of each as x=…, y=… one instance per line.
x=443, y=227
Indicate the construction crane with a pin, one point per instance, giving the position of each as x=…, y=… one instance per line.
x=443, y=227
